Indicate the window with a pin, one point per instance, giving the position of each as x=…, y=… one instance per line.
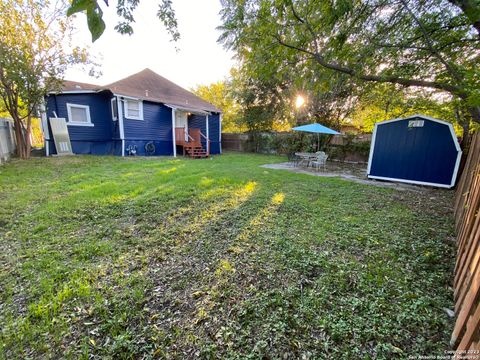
x=415, y=123
x=79, y=115
x=134, y=109
x=113, y=103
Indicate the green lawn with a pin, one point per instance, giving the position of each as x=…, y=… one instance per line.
x=159, y=258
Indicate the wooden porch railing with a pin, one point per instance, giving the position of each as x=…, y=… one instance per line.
x=207, y=141
x=192, y=139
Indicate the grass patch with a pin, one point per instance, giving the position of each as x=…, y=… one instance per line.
x=105, y=257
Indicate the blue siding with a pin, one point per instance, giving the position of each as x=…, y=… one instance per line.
x=104, y=136
x=95, y=139
x=161, y=147
x=214, y=133
x=198, y=122
x=425, y=154
x=100, y=115
x=156, y=126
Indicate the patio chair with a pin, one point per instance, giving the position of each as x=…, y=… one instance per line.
x=321, y=161
x=294, y=159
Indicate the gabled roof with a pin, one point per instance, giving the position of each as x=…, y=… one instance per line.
x=147, y=85
x=78, y=86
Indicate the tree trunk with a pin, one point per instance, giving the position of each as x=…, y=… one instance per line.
x=466, y=138
x=22, y=137
x=28, y=137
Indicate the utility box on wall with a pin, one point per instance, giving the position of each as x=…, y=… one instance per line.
x=417, y=149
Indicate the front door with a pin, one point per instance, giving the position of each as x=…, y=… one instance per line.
x=182, y=122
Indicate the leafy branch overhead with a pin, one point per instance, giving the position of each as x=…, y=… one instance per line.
x=33, y=57
x=432, y=45
x=125, y=10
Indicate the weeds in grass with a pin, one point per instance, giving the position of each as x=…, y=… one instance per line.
x=104, y=257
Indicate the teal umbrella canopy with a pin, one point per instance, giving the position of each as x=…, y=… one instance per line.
x=316, y=128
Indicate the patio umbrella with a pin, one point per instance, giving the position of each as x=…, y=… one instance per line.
x=316, y=129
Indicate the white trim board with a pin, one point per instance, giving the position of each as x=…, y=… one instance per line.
x=75, y=92
x=174, y=140
x=220, y=132
x=120, y=124
x=187, y=109
x=372, y=146
x=409, y=181
x=454, y=138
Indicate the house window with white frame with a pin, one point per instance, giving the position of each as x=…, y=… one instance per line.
x=79, y=115
x=114, y=109
x=134, y=109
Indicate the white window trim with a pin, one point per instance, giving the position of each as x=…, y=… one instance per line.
x=73, y=123
x=140, y=110
x=114, y=118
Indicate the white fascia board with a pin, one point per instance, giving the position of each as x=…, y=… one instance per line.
x=187, y=109
x=74, y=92
x=425, y=117
x=372, y=148
x=127, y=97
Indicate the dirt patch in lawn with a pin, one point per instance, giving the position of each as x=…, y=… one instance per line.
x=349, y=171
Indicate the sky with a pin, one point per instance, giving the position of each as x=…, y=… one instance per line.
x=200, y=59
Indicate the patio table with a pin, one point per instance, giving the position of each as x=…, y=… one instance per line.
x=305, y=158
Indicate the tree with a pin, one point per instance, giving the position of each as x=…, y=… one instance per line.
x=125, y=10
x=32, y=60
x=220, y=95
x=380, y=101
x=420, y=44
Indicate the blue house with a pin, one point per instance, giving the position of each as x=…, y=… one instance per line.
x=417, y=150
x=143, y=114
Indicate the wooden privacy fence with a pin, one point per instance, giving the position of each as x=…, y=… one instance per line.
x=466, y=334
x=7, y=140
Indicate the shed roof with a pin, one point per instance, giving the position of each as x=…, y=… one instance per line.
x=148, y=85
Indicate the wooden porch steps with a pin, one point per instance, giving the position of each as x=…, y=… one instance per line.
x=191, y=143
x=195, y=151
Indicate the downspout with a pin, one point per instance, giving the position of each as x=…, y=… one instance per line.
x=120, y=123
x=173, y=134
x=208, y=137
x=56, y=104
x=220, y=131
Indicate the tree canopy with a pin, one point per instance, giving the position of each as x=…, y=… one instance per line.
x=431, y=45
x=220, y=95
x=33, y=57
x=125, y=11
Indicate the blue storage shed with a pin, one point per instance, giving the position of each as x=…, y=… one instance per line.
x=416, y=150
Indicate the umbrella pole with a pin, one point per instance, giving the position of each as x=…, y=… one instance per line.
x=318, y=141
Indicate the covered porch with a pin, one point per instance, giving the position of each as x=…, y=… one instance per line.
x=191, y=132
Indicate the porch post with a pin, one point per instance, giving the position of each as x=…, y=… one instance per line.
x=173, y=134
x=208, y=138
